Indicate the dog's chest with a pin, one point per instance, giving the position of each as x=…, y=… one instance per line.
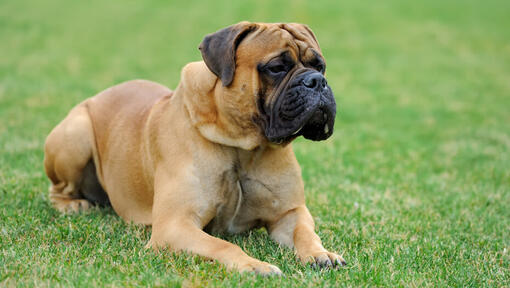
x=244, y=203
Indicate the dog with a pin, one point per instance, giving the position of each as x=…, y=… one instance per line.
x=213, y=156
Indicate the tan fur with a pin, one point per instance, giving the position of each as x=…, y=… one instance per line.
x=184, y=160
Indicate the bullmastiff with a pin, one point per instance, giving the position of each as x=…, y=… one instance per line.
x=213, y=156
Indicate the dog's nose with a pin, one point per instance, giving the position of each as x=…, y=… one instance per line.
x=315, y=80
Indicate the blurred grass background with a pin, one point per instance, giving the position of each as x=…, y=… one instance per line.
x=413, y=188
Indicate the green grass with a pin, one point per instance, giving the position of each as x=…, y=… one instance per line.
x=413, y=188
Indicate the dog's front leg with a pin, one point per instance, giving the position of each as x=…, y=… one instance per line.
x=178, y=226
x=296, y=229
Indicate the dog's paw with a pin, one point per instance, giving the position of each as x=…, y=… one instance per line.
x=261, y=268
x=69, y=206
x=323, y=259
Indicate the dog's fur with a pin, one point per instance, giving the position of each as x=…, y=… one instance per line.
x=197, y=159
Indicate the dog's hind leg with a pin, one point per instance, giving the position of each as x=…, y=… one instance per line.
x=68, y=151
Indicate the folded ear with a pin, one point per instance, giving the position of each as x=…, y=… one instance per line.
x=219, y=50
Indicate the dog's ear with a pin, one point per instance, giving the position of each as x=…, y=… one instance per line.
x=219, y=50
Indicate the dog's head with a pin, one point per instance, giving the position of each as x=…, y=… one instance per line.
x=269, y=81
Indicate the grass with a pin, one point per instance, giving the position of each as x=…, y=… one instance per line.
x=413, y=188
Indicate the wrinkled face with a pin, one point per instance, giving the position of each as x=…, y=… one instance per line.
x=280, y=70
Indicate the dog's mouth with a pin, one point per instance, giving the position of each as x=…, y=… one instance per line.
x=305, y=108
x=319, y=126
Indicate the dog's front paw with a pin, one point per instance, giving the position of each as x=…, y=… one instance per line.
x=261, y=268
x=323, y=259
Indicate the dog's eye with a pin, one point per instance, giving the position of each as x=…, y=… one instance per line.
x=320, y=67
x=317, y=64
x=277, y=69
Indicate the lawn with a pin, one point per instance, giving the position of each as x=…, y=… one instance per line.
x=413, y=188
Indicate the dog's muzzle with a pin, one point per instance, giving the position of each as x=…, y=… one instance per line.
x=306, y=107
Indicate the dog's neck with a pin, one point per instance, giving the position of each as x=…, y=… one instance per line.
x=200, y=98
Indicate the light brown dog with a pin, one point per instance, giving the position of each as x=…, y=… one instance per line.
x=213, y=156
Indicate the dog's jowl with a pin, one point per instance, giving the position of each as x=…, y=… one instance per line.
x=214, y=155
